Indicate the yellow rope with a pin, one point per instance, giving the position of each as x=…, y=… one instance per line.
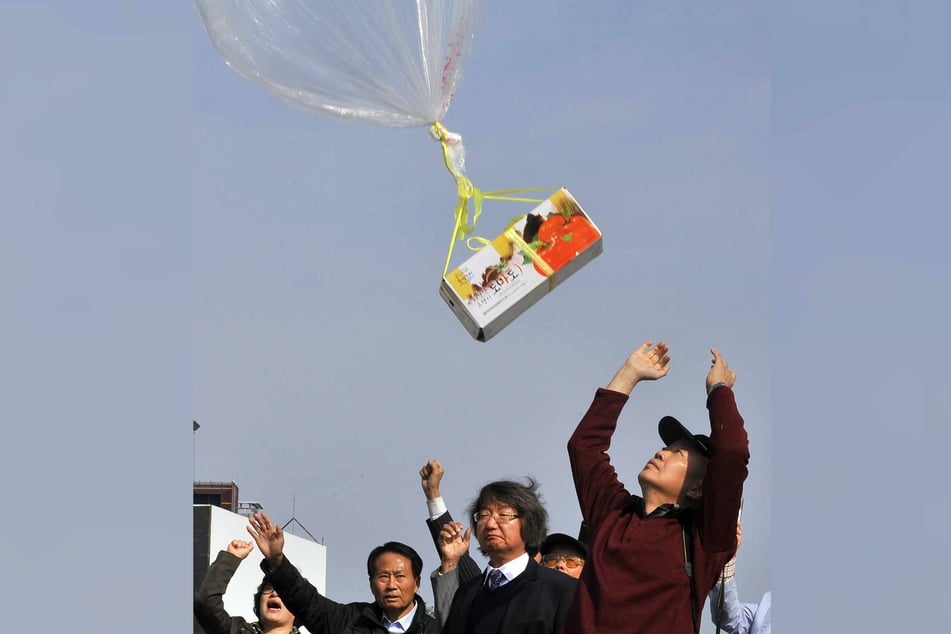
x=466, y=191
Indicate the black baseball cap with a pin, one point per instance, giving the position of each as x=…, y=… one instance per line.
x=560, y=539
x=671, y=430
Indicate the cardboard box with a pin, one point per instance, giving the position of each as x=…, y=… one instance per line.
x=523, y=264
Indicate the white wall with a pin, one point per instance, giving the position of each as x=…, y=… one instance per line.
x=308, y=556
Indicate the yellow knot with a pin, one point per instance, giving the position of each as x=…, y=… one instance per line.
x=466, y=191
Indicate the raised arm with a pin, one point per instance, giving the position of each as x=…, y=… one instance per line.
x=430, y=476
x=312, y=609
x=727, y=469
x=596, y=481
x=453, y=543
x=732, y=616
x=735, y=617
x=209, y=606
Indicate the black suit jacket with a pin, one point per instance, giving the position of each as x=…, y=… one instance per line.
x=321, y=615
x=539, y=606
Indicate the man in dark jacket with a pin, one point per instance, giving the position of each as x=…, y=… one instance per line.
x=514, y=594
x=394, y=570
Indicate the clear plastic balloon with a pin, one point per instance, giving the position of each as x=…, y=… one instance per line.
x=389, y=62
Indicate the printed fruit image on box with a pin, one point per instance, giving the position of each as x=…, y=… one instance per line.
x=520, y=266
x=562, y=235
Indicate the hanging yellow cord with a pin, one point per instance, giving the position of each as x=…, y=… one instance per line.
x=466, y=191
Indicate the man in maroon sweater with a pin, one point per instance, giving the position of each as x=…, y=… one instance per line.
x=655, y=558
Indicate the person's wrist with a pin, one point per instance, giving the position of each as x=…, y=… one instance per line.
x=624, y=381
x=729, y=570
x=710, y=388
x=447, y=566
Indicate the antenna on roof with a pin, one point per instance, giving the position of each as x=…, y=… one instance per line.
x=297, y=521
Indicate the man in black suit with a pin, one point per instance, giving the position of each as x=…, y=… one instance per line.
x=514, y=594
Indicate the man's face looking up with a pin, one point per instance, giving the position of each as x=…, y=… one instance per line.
x=674, y=470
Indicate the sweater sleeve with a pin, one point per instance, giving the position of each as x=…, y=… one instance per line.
x=736, y=617
x=726, y=472
x=209, y=606
x=444, y=589
x=596, y=483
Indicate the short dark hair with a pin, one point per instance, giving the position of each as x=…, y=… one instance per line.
x=398, y=548
x=265, y=585
x=526, y=501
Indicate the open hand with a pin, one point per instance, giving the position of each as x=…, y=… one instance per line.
x=453, y=544
x=649, y=362
x=268, y=536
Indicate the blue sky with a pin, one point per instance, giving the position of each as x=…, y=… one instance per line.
x=329, y=370
x=182, y=244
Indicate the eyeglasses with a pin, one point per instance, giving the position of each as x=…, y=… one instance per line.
x=570, y=561
x=500, y=518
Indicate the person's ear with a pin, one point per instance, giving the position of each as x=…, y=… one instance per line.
x=695, y=492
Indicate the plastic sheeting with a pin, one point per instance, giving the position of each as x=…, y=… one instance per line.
x=387, y=62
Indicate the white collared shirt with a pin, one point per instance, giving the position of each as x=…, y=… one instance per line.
x=400, y=625
x=510, y=569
